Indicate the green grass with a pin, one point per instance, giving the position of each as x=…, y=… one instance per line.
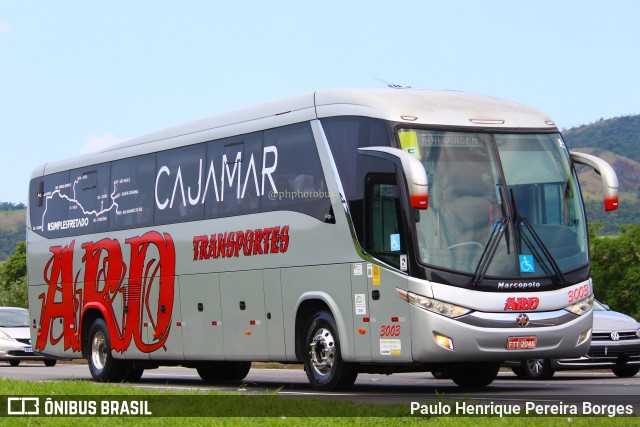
x=198, y=402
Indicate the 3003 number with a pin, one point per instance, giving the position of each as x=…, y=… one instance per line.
x=390, y=331
x=578, y=293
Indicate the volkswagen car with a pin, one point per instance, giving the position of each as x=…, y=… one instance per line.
x=615, y=345
x=15, y=339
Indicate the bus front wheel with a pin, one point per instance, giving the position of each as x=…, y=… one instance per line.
x=102, y=365
x=475, y=374
x=323, y=363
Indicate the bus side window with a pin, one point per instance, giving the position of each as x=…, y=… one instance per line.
x=298, y=180
x=133, y=189
x=385, y=237
x=91, y=199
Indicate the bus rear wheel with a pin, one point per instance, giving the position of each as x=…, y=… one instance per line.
x=475, y=374
x=102, y=365
x=323, y=363
x=223, y=371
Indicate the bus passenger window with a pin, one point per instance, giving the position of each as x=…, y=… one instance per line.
x=133, y=181
x=298, y=179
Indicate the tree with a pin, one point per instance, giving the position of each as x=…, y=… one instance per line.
x=615, y=268
x=13, y=278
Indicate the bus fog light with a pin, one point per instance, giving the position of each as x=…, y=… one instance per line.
x=443, y=341
x=584, y=337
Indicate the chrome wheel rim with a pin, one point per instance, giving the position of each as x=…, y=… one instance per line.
x=322, y=352
x=99, y=351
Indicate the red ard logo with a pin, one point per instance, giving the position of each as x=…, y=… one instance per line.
x=521, y=304
x=143, y=281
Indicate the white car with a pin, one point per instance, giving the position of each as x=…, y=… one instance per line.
x=15, y=338
x=615, y=345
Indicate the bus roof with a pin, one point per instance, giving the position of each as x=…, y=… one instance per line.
x=412, y=106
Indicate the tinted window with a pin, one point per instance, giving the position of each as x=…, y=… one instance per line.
x=91, y=198
x=345, y=135
x=133, y=181
x=179, y=184
x=234, y=176
x=292, y=177
x=49, y=216
x=273, y=170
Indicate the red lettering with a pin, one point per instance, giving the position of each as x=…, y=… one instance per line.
x=60, y=301
x=260, y=241
x=148, y=290
x=284, y=239
x=204, y=248
x=196, y=247
x=266, y=234
x=257, y=240
x=143, y=273
x=521, y=304
x=248, y=243
x=275, y=240
x=222, y=244
x=239, y=243
x=228, y=251
x=103, y=278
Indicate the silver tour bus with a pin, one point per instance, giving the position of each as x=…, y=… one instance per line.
x=380, y=231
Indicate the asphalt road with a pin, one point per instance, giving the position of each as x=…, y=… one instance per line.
x=568, y=386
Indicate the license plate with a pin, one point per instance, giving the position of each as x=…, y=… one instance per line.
x=521, y=343
x=28, y=349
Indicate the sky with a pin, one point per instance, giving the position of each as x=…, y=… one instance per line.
x=77, y=75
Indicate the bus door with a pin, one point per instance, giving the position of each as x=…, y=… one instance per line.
x=385, y=240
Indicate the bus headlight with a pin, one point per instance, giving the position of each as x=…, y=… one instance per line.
x=437, y=306
x=581, y=307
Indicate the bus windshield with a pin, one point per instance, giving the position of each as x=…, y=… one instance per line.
x=500, y=205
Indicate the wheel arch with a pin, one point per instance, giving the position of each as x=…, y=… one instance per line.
x=307, y=305
x=89, y=316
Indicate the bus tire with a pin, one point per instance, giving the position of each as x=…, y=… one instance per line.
x=323, y=363
x=223, y=371
x=102, y=365
x=133, y=372
x=475, y=374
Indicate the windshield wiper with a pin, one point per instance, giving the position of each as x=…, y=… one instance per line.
x=518, y=220
x=489, y=250
x=540, y=244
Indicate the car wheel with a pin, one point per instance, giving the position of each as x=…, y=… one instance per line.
x=625, y=371
x=323, y=363
x=50, y=362
x=14, y=363
x=102, y=365
x=475, y=374
x=537, y=369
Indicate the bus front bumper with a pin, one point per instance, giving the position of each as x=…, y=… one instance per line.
x=498, y=336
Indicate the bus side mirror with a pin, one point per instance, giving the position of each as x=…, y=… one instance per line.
x=413, y=169
x=606, y=172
